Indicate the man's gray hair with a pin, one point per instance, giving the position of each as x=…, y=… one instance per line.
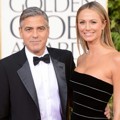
x=32, y=11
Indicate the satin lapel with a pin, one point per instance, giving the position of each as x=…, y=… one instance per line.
x=60, y=74
x=27, y=79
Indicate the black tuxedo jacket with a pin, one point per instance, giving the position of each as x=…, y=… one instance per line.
x=18, y=98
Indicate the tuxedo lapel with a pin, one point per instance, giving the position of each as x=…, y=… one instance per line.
x=60, y=74
x=27, y=79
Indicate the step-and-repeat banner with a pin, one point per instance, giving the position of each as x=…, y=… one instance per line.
x=61, y=17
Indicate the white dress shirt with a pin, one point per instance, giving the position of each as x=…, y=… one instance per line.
x=46, y=87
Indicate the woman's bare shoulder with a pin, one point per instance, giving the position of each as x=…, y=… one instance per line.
x=114, y=57
x=81, y=58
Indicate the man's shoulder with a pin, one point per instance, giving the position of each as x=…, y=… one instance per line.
x=12, y=57
x=60, y=51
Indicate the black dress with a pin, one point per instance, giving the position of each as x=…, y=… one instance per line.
x=90, y=97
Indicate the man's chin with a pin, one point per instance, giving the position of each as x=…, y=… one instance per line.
x=38, y=52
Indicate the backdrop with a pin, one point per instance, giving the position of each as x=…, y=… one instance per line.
x=62, y=23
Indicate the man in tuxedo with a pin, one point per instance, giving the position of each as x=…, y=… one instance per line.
x=34, y=81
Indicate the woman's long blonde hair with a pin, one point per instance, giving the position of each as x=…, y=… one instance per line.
x=106, y=33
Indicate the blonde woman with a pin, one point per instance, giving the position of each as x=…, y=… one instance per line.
x=96, y=76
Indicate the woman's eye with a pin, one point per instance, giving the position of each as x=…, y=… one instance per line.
x=93, y=22
x=82, y=22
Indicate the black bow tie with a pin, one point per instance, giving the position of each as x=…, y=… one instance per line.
x=45, y=58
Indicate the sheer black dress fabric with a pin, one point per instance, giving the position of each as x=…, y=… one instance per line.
x=90, y=97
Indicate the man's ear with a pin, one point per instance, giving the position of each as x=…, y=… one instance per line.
x=20, y=32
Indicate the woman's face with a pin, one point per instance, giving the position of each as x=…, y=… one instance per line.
x=90, y=25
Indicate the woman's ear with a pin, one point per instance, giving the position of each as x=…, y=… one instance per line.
x=104, y=24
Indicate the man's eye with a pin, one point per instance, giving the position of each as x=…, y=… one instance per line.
x=28, y=29
x=42, y=28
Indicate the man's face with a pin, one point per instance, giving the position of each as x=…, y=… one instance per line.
x=35, y=31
